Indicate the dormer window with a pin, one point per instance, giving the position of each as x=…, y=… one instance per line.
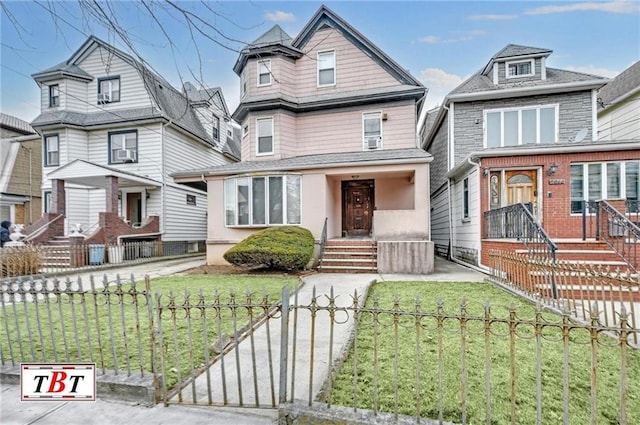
x=54, y=95
x=264, y=73
x=109, y=90
x=520, y=69
x=216, y=128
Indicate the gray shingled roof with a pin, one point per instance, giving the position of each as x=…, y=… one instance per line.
x=232, y=145
x=513, y=50
x=481, y=83
x=413, y=155
x=15, y=123
x=275, y=35
x=65, y=68
x=626, y=82
x=430, y=119
x=207, y=94
x=95, y=118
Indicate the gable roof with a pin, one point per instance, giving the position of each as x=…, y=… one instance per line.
x=205, y=95
x=326, y=17
x=171, y=103
x=15, y=124
x=625, y=84
x=514, y=50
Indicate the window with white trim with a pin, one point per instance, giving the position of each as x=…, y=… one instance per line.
x=243, y=83
x=264, y=72
x=215, y=131
x=46, y=204
x=123, y=147
x=604, y=180
x=520, y=126
x=264, y=136
x=521, y=69
x=262, y=200
x=372, y=130
x=51, y=150
x=326, y=68
x=109, y=90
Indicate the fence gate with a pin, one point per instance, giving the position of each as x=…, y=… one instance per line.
x=222, y=350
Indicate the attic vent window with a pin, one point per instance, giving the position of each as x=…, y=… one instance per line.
x=520, y=69
x=191, y=199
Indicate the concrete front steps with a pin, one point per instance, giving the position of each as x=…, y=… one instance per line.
x=56, y=254
x=349, y=256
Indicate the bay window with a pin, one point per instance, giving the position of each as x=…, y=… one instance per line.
x=520, y=126
x=51, y=150
x=265, y=136
x=262, y=200
x=607, y=180
x=264, y=73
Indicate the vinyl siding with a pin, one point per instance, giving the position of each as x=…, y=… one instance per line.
x=182, y=152
x=77, y=211
x=466, y=232
x=182, y=221
x=77, y=95
x=283, y=77
x=621, y=121
x=101, y=64
x=440, y=221
x=354, y=69
x=439, y=149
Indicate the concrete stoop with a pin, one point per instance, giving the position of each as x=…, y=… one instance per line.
x=299, y=413
x=134, y=389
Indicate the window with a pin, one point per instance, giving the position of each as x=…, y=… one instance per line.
x=372, y=130
x=216, y=128
x=245, y=131
x=123, y=147
x=264, y=73
x=265, y=136
x=513, y=127
x=46, y=205
x=609, y=180
x=326, y=68
x=51, y=150
x=6, y=213
x=264, y=200
x=109, y=90
x=520, y=69
x=229, y=132
x=191, y=200
x=243, y=83
x=465, y=199
x=54, y=95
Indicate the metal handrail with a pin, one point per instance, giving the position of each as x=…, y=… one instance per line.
x=517, y=222
x=40, y=229
x=619, y=233
x=323, y=240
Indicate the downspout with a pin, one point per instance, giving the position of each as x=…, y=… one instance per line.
x=163, y=195
x=451, y=256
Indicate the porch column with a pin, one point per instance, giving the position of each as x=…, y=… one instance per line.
x=111, y=194
x=57, y=197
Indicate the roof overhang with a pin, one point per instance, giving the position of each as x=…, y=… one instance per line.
x=9, y=199
x=564, y=148
x=85, y=173
x=57, y=75
x=275, y=49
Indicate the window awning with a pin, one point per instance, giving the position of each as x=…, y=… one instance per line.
x=85, y=173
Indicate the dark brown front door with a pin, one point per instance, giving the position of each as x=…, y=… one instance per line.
x=134, y=207
x=357, y=207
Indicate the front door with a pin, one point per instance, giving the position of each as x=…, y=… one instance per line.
x=357, y=207
x=134, y=207
x=522, y=186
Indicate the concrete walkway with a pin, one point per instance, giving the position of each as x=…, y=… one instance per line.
x=307, y=381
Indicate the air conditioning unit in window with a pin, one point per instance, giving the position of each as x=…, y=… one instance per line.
x=125, y=155
x=373, y=142
x=104, y=97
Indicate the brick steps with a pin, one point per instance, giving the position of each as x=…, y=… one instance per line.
x=349, y=256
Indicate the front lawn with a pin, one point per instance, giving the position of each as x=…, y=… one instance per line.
x=403, y=356
x=87, y=328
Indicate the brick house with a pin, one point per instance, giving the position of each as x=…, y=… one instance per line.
x=21, y=165
x=329, y=143
x=520, y=132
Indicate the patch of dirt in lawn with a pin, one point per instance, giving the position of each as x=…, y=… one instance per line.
x=231, y=270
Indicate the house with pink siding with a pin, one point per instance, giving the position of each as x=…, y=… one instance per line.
x=329, y=143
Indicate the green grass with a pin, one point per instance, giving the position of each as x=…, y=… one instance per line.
x=579, y=356
x=124, y=323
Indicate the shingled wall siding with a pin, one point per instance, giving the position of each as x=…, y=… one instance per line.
x=438, y=149
x=574, y=114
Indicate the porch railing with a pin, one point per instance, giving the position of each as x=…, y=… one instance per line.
x=620, y=233
x=41, y=229
x=323, y=241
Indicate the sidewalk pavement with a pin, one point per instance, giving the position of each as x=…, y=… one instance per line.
x=13, y=411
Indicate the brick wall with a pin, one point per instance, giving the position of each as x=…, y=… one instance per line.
x=555, y=198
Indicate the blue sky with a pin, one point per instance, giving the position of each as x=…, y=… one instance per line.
x=440, y=42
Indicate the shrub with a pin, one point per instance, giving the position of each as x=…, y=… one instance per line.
x=20, y=261
x=280, y=248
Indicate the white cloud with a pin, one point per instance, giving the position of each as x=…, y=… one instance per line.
x=594, y=70
x=439, y=83
x=618, y=6
x=279, y=16
x=492, y=17
x=464, y=36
